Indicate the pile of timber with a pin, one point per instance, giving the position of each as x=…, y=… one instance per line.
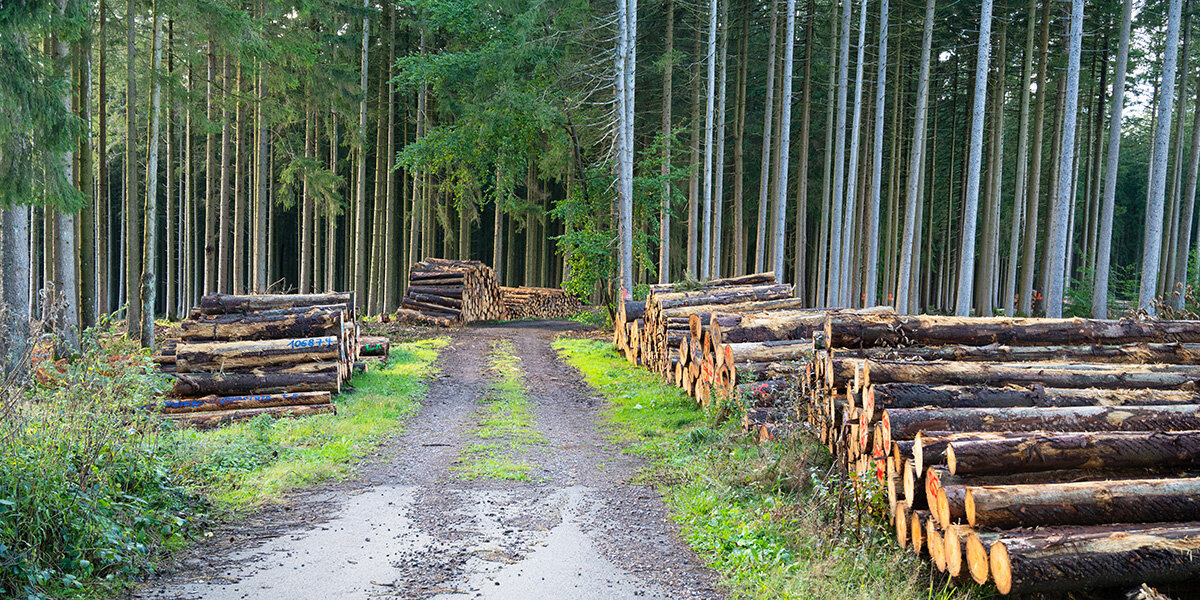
x=1037, y=455
x=241, y=356
x=539, y=303
x=446, y=292
x=1040, y=455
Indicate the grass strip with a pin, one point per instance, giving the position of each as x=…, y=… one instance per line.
x=772, y=519
x=506, y=425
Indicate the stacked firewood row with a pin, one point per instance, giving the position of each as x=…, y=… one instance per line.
x=451, y=292
x=241, y=356
x=1040, y=455
x=1037, y=455
x=539, y=303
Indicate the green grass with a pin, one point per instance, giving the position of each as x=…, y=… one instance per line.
x=772, y=519
x=505, y=423
x=253, y=462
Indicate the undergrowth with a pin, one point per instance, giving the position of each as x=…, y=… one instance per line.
x=93, y=487
x=505, y=427
x=773, y=519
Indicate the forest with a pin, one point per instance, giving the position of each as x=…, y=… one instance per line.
x=1028, y=158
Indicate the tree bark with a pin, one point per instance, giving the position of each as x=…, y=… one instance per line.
x=1153, y=241
x=360, y=203
x=1090, y=450
x=911, y=199
x=1062, y=203
x=966, y=271
x=764, y=182
x=1029, y=251
x=150, y=252
x=133, y=237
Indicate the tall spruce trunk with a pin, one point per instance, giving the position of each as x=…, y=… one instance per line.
x=150, y=252
x=911, y=198
x=360, y=203
x=1021, y=182
x=14, y=258
x=133, y=237
x=1153, y=241
x=739, y=146
x=870, y=292
x=262, y=206
x=785, y=128
x=802, y=284
x=966, y=272
x=225, y=239
x=170, y=236
x=709, y=115
x=719, y=157
x=852, y=175
x=104, y=275
x=391, y=213
x=764, y=182
x=1188, y=202
x=1104, y=238
x=664, y=212
x=839, y=162
x=211, y=208
x=821, y=295
x=66, y=315
x=1033, y=195
x=240, y=203
x=87, y=215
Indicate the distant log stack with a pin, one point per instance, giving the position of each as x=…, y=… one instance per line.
x=1040, y=455
x=451, y=292
x=539, y=303
x=239, y=356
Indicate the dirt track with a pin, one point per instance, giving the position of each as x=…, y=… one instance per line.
x=409, y=528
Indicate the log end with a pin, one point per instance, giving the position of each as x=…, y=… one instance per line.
x=1001, y=567
x=977, y=559
x=902, y=523
x=917, y=533
x=952, y=549
x=937, y=546
x=951, y=462
x=969, y=507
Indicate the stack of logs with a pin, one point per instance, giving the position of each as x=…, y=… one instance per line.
x=539, y=303
x=241, y=356
x=451, y=292
x=1041, y=455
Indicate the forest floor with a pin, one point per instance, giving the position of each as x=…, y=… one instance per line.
x=506, y=484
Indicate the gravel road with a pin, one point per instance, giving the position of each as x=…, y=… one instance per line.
x=408, y=527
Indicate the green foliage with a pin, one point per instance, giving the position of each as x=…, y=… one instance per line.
x=775, y=520
x=86, y=489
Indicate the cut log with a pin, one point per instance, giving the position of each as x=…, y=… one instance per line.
x=216, y=304
x=1090, y=450
x=916, y=531
x=299, y=322
x=752, y=279
x=1083, y=503
x=773, y=326
x=210, y=419
x=374, y=346
x=774, y=351
x=721, y=296
x=852, y=330
x=229, y=384
x=976, y=548
x=929, y=446
x=229, y=356
x=905, y=423
x=428, y=318
x=212, y=403
x=1071, y=559
x=1139, y=353
x=917, y=395
x=1066, y=375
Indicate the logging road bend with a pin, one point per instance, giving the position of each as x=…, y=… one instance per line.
x=410, y=527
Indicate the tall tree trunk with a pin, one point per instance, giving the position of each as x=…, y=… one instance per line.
x=1176, y=171
x=211, y=208
x=240, y=203
x=625, y=72
x=801, y=276
x=150, y=252
x=262, y=206
x=87, y=216
x=785, y=128
x=706, y=245
x=739, y=144
x=719, y=158
x=66, y=317
x=1033, y=202
x=391, y=214
x=133, y=237
x=974, y=164
x=911, y=199
x=14, y=258
x=1153, y=241
x=1104, y=241
x=872, y=241
x=764, y=182
x=103, y=211
x=823, y=296
x=305, y=255
x=225, y=239
x=664, y=213
x=331, y=216
x=693, y=230
x=360, y=233
x=172, y=279
x=839, y=163
x=1021, y=182
x=986, y=280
